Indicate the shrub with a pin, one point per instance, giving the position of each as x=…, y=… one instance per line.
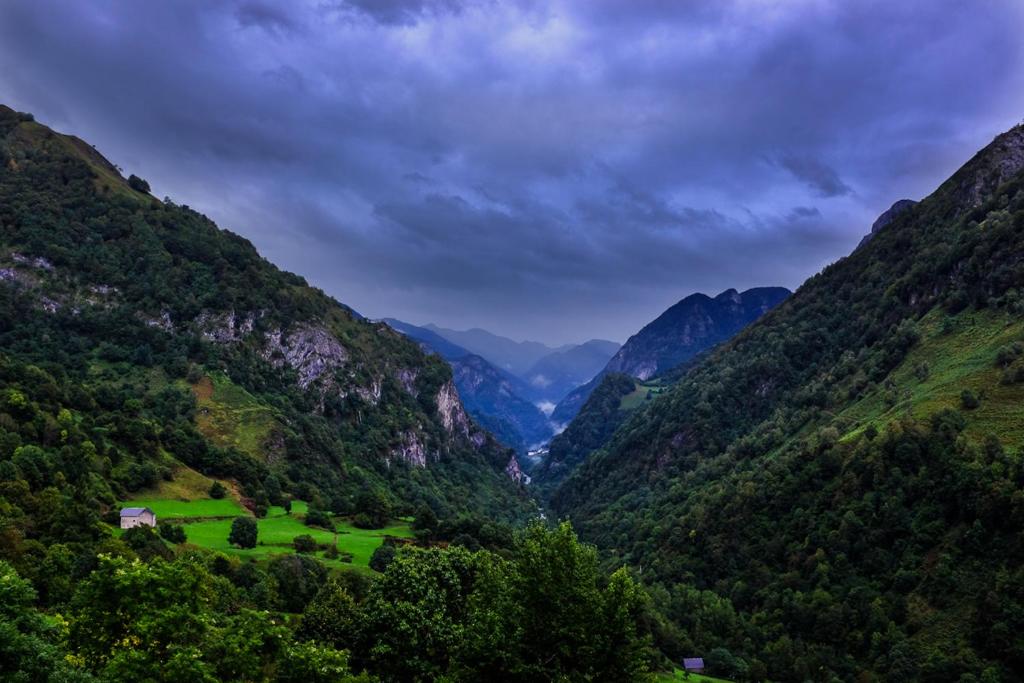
x=305, y=543
x=315, y=517
x=968, y=400
x=217, y=490
x=382, y=557
x=138, y=184
x=173, y=533
x=243, y=532
x=332, y=552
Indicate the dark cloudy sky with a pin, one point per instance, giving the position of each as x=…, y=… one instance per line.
x=550, y=170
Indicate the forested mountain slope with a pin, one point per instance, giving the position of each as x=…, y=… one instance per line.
x=686, y=329
x=844, y=477
x=137, y=339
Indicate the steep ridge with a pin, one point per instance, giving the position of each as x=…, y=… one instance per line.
x=493, y=397
x=687, y=328
x=840, y=483
x=134, y=310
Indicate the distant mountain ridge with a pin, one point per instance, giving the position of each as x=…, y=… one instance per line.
x=694, y=324
x=512, y=356
x=493, y=397
x=558, y=373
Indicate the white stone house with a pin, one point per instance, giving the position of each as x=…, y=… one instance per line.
x=132, y=517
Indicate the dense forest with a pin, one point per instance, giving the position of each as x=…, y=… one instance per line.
x=836, y=494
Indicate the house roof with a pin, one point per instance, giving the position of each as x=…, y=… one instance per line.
x=693, y=662
x=134, y=512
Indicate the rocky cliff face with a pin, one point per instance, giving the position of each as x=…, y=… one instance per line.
x=989, y=169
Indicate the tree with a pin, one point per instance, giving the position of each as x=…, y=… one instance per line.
x=27, y=648
x=304, y=543
x=243, y=532
x=382, y=557
x=217, y=490
x=174, y=533
x=332, y=617
x=372, y=510
x=138, y=184
x=425, y=521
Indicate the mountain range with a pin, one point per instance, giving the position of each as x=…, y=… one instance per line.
x=492, y=396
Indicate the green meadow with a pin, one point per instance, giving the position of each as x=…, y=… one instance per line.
x=680, y=676
x=207, y=524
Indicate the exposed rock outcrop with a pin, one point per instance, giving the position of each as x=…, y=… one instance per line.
x=225, y=328
x=449, y=407
x=312, y=351
x=407, y=378
x=410, y=450
x=514, y=472
x=990, y=168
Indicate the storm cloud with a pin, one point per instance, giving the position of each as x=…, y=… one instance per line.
x=550, y=170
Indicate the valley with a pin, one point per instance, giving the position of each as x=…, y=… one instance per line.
x=693, y=393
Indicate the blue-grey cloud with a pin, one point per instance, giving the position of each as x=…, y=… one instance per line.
x=556, y=170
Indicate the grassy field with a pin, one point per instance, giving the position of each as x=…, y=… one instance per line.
x=638, y=396
x=181, y=509
x=679, y=675
x=276, y=533
x=207, y=523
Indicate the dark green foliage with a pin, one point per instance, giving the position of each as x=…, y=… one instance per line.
x=173, y=533
x=146, y=542
x=304, y=543
x=243, y=532
x=545, y=613
x=138, y=184
x=372, y=510
x=817, y=554
x=29, y=646
x=217, y=490
x=298, y=578
x=319, y=518
x=382, y=557
x=182, y=624
x=597, y=420
x=968, y=400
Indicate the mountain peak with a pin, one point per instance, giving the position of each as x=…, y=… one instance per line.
x=887, y=217
x=1002, y=159
x=730, y=295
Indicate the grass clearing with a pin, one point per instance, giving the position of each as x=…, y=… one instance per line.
x=639, y=395
x=188, y=509
x=232, y=417
x=680, y=675
x=959, y=354
x=207, y=524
